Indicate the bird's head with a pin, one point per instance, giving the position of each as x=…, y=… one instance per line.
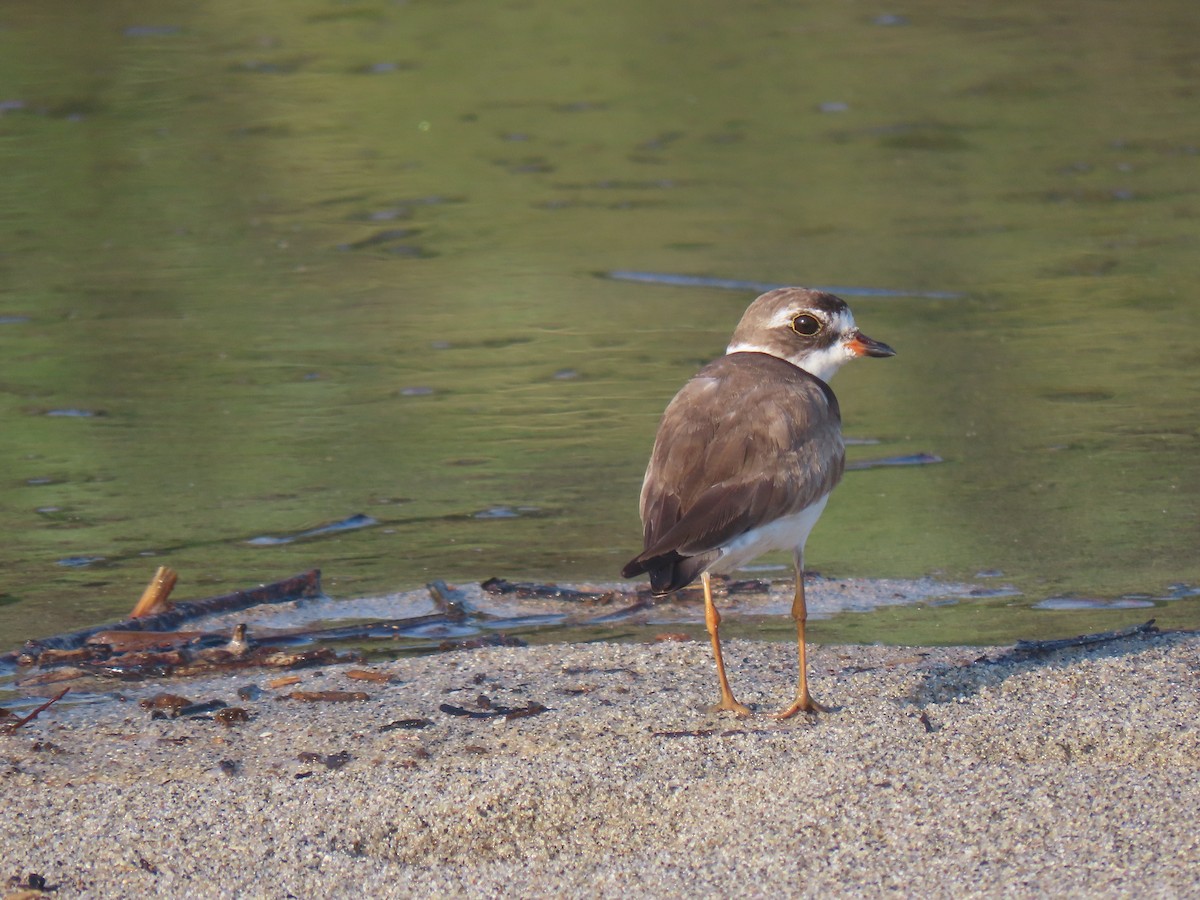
x=810, y=329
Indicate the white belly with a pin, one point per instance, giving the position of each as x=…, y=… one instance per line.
x=787, y=533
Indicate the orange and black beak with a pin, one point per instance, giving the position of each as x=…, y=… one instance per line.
x=861, y=345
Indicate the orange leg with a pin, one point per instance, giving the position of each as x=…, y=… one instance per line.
x=804, y=701
x=713, y=620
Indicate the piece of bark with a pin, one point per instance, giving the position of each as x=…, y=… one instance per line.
x=154, y=598
x=119, y=641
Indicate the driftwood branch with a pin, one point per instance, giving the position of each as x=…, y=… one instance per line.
x=153, y=645
x=297, y=587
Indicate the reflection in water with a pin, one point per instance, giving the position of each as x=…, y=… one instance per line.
x=761, y=287
x=351, y=523
x=312, y=261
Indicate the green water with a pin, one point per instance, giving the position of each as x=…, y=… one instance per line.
x=302, y=260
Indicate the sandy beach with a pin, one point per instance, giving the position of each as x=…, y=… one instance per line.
x=947, y=772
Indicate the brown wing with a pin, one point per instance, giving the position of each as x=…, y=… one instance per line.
x=747, y=440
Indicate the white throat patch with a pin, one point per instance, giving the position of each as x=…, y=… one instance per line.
x=824, y=363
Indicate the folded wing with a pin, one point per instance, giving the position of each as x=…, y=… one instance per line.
x=750, y=439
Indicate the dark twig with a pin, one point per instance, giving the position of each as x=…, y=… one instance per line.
x=25, y=720
x=507, y=713
x=527, y=590
x=380, y=628
x=1040, y=648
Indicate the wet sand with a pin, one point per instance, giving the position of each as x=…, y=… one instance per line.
x=945, y=772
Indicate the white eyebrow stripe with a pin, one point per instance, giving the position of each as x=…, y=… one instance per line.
x=783, y=318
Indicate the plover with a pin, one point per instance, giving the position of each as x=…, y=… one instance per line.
x=746, y=456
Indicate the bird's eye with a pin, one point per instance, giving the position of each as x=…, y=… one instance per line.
x=806, y=324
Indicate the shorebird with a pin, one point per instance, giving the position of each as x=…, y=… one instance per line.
x=746, y=456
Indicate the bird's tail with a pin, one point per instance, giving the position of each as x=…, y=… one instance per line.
x=668, y=572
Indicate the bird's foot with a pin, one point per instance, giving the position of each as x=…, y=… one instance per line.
x=728, y=704
x=803, y=703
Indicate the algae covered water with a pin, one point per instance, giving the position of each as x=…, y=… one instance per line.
x=268, y=269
